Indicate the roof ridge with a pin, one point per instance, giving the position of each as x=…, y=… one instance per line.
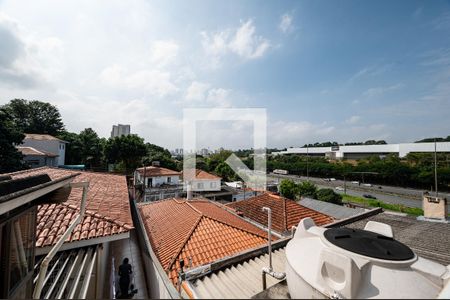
x=97, y=215
x=172, y=261
x=195, y=209
x=242, y=229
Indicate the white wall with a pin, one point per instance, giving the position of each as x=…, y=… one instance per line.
x=208, y=185
x=163, y=180
x=52, y=146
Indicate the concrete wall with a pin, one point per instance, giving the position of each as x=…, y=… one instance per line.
x=208, y=185
x=156, y=181
x=159, y=285
x=41, y=161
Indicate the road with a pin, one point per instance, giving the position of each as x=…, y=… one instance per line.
x=387, y=194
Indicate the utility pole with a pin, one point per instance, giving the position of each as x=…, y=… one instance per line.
x=307, y=166
x=435, y=169
x=345, y=186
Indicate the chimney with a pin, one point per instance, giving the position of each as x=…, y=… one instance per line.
x=155, y=163
x=434, y=207
x=189, y=190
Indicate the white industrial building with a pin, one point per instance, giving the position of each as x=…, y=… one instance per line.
x=361, y=151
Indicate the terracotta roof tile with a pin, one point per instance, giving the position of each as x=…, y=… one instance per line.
x=285, y=212
x=35, y=152
x=41, y=137
x=201, y=175
x=107, y=206
x=152, y=171
x=203, y=232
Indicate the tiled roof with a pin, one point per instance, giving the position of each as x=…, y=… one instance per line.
x=203, y=175
x=107, y=206
x=152, y=171
x=197, y=231
x=285, y=212
x=53, y=220
x=41, y=137
x=35, y=152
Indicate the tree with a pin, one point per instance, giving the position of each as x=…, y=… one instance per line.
x=288, y=189
x=328, y=195
x=215, y=159
x=126, y=149
x=90, y=147
x=157, y=153
x=73, y=154
x=10, y=157
x=224, y=170
x=307, y=189
x=35, y=116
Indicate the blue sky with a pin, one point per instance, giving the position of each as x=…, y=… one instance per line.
x=324, y=70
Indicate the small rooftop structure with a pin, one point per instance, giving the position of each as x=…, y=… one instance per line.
x=197, y=231
x=286, y=212
x=338, y=212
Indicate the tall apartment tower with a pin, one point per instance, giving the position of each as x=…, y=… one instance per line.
x=119, y=130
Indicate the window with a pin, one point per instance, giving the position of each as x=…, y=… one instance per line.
x=17, y=238
x=200, y=185
x=21, y=248
x=169, y=179
x=213, y=184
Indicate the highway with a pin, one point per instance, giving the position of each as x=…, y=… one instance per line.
x=387, y=194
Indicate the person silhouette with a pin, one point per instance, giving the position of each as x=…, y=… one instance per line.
x=124, y=277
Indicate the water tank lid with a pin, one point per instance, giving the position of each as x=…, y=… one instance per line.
x=368, y=243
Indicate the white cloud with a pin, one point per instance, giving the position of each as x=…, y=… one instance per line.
x=219, y=97
x=201, y=93
x=353, y=120
x=154, y=82
x=378, y=91
x=248, y=45
x=26, y=61
x=286, y=23
x=163, y=52
x=243, y=42
x=197, y=91
x=370, y=71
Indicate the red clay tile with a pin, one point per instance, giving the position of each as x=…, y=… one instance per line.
x=199, y=229
x=285, y=212
x=107, y=205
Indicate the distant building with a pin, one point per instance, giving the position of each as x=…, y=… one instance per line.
x=178, y=152
x=43, y=150
x=154, y=183
x=203, y=181
x=119, y=130
x=363, y=151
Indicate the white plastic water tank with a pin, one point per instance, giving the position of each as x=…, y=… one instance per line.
x=348, y=263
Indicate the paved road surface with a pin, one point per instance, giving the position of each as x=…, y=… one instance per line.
x=387, y=194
